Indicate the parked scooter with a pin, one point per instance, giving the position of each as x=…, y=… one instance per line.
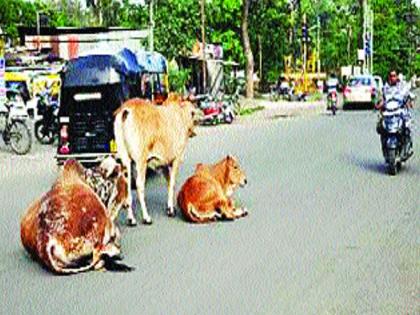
x=217, y=111
x=46, y=128
x=280, y=91
x=13, y=123
x=394, y=128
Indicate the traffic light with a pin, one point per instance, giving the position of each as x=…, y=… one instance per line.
x=305, y=32
x=44, y=20
x=367, y=45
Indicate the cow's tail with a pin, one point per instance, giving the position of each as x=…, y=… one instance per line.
x=119, y=129
x=60, y=264
x=200, y=217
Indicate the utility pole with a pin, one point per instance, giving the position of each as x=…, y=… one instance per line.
x=260, y=53
x=318, y=46
x=151, y=43
x=151, y=26
x=367, y=38
x=364, y=68
x=38, y=24
x=2, y=69
x=305, y=36
x=371, y=41
x=349, y=38
x=305, y=48
x=203, y=48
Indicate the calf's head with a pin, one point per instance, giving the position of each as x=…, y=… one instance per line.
x=234, y=175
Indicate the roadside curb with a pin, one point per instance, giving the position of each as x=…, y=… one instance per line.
x=281, y=109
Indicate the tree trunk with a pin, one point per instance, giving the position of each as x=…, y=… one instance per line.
x=249, y=72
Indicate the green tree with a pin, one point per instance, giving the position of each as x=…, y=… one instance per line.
x=14, y=13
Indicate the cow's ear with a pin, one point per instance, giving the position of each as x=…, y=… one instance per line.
x=114, y=172
x=108, y=167
x=117, y=170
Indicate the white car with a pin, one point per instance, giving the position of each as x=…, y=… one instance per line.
x=362, y=89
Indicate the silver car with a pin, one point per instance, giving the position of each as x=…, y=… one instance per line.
x=362, y=89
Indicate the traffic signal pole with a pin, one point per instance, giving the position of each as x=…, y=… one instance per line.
x=367, y=38
x=365, y=59
x=371, y=41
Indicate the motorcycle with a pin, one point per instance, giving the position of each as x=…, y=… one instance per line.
x=13, y=123
x=46, y=128
x=394, y=128
x=281, y=91
x=332, y=101
x=217, y=111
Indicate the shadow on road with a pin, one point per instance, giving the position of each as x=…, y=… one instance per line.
x=374, y=166
x=358, y=106
x=379, y=166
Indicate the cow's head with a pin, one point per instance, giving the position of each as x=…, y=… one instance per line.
x=109, y=181
x=234, y=175
x=191, y=115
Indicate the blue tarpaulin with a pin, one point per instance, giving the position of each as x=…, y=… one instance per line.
x=100, y=67
x=130, y=62
x=151, y=62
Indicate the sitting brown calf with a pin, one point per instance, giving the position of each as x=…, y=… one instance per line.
x=70, y=229
x=206, y=196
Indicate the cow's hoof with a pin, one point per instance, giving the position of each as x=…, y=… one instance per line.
x=147, y=221
x=171, y=212
x=131, y=222
x=245, y=212
x=118, y=257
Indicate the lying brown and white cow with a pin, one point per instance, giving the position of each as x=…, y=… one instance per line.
x=70, y=229
x=146, y=133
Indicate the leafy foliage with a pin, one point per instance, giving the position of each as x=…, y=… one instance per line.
x=272, y=24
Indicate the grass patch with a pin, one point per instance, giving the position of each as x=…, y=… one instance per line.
x=250, y=110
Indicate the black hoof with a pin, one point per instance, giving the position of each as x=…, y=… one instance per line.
x=147, y=222
x=131, y=222
x=171, y=213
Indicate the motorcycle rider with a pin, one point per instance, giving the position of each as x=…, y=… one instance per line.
x=332, y=86
x=396, y=87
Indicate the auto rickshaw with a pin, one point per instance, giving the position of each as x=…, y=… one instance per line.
x=20, y=81
x=93, y=87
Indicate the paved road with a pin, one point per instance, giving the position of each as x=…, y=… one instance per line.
x=328, y=232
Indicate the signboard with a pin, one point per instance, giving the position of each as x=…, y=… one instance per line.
x=361, y=54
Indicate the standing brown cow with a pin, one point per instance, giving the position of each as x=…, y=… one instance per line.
x=146, y=133
x=70, y=229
